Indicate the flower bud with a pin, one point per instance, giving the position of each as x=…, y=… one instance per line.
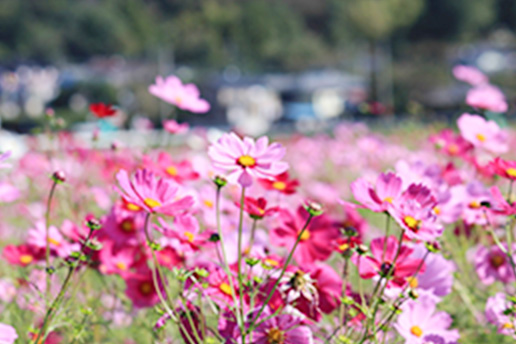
x=220, y=181
x=59, y=177
x=93, y=224
x=313, y=208
x=362, y=249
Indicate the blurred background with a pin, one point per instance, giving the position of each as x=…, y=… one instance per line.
x=262, y=64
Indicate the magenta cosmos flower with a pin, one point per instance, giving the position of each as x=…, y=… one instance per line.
x=316, y=242
x=487, y=97
x=282, y=329
x=482, y=133
x=378, y=197
x=152, y=194
x=184, y=96
x=8, y=334
x=469, y=74
x=419, y=319
x=245, y=159
x=492, y=264
x=380, y=263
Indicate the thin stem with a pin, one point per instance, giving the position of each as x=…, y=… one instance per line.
x=225, y=259
x=253, y=231
x=239, y=261
x=47, y=241
x=289, y=258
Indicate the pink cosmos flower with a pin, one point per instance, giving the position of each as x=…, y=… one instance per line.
x=469, y=74
x=482, y=133
x=316, y=241
x=257, y=207
x=8, y=192
x=180, y=171
x=185, y=229
x=219, y=288
x=140, y=289
x=504, y=168
x=419, y=319
x=450, y=143
x=58, y=245
x=377, y=198
x=4, y=157
x=117, y=261
x=184, y=96
x=175, y=128
x=495, y=313
x=284, y=328
x=413, y=212
x=8, y=334
x=245, y=159
x=22, y=255
x=493, y=265
x=152, y=194
x=487, y=97
x=380, y=262
x=281, y=183
x=499, y=205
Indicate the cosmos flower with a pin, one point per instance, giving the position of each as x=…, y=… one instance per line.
x=378, y=197
x=101, y=110
x=492, y=264
x=482, y=134
x=152, y=194
x=8, y=334
x=3, y=158
x=496, y=314
x=281, y=183
x=284, y=329
x=246, y=159
x=470, y=74
x=419, y=319
x=487, y=97
x=184, y=96
x=175, y=128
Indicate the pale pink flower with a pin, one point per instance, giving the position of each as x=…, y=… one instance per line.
x=285, y=329
x=492, y=264
x=184, y=96
x=8, y=334
x=246, y=159
x=482, y=133
x=379, y=197
x=469, y=74
x=419, y=319
x=153, y=194
x=4, y=157
x=495, y=313
x=487, y=97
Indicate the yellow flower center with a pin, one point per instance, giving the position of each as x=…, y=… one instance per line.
x=453, y=149
x=133, y=207
x=178, y=100
x=474, y=204
x=481, y=137
x=26, y=259
x=343, y=247
x=416, y=331
x=271, y=262
x=172, y=171
x=279, y=185
x=412, y=282
x=305, y=235
x=146, y=288
x=208, y=203
x=437, y=210
x=127, y=226
x=275, y=336
x=151, y=203
x=388, y=200
x=412, y=223
x=190, y=236
x=246, y=161
x=121, y=266
x=53, y=242
x=225, y=288
x=508, y=325
x=511, y=172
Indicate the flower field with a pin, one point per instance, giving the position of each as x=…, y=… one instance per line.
x=348, y=236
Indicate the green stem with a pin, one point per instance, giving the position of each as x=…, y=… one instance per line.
x=239, y=261
x=289, y=258
x=47, y=241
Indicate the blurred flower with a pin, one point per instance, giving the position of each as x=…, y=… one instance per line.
x=487, y=97
x=8, y=334
x=4, y=157
x=377, y=198
x=257, y=207
x=500, y=312
x=281, y=183
x=185, y=97
x=175, y=128
x=284, y=329
x=101, y=110
x=482, y=133
x=469, y=74
x=492, y=264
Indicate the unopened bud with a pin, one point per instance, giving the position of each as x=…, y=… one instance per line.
x=214, y=237
x=220, y=181
x=59, y=177
x=313, y=208
x=93, y=224
x=350, y=231
x=433, y=246
x=362, y=249
x=413, y=294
